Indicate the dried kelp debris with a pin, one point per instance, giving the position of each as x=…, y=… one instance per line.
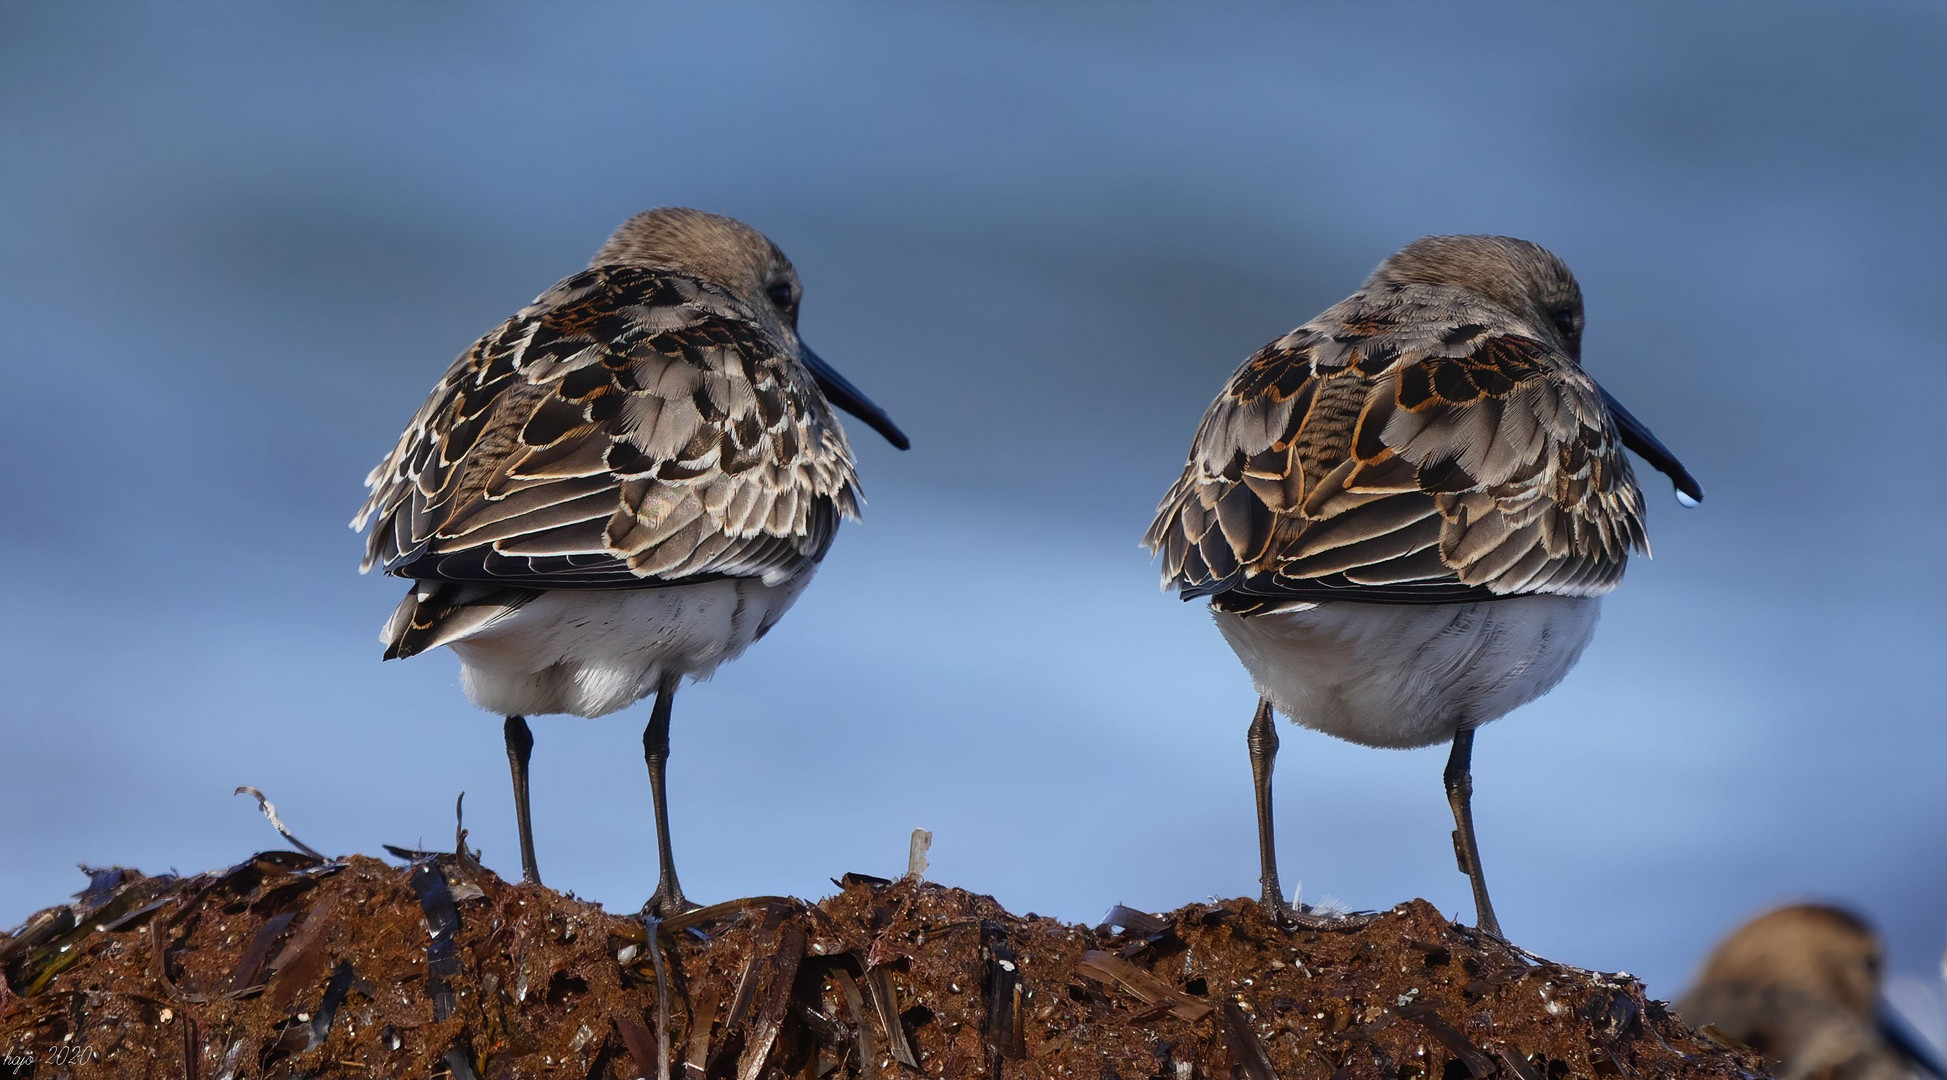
x=292, y=966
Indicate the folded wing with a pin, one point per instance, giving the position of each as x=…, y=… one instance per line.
x=1349, y=461
x=631, y=428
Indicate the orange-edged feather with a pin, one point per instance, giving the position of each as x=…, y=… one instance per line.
x=1411, y=445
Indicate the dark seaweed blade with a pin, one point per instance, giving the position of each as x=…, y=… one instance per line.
x=777, y=998
x=1246, y=1049
x=1517, y=1064
x=39, y=928
x=855, y=1002
x=443, y=921
x=641, y=1046
x=58, y=940
x=458, y=1060
x=740, y=1003
x=102, y=886
x=334, y=996
x=270, y=814
x=655, y=949
x=729, y=910
x=304, y=957
x=703, y=1017
x=244, y=975
x=137, y=915
x=1140, y=923
x=1477, y=1064
x=1002, y=1028
x=885, y=1001
x=1144, y=985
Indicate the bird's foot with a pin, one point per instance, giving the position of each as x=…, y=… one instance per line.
x=667, y=902
x=1302, y=917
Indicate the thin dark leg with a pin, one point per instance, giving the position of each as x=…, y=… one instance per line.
x=520, y=746
x=1262, y=738
x=1460, y=795
x=668, y=899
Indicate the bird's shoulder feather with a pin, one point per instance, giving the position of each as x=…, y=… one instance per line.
x=1415, y=445
x=631, y=427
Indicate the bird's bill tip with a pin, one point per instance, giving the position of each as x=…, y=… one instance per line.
x=1913, y=1046
x=1638, y=438
x=840, y=392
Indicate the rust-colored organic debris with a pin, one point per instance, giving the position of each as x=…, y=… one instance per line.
x=293, y=966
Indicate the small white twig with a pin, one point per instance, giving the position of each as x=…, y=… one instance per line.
x=916, y=855
x=277, y=823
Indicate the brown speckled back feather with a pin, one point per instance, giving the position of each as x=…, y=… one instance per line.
x=632, y=427
x=1415, y=443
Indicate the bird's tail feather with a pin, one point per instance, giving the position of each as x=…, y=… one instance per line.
x=437, y=612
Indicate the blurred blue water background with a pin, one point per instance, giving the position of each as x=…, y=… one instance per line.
x=240, y=243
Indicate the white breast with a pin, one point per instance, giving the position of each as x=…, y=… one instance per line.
x=592, y=651
x=1402, y=675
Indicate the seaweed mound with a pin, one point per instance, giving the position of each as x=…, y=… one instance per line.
x=293, y=966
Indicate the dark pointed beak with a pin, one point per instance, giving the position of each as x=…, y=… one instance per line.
x=1651, y=449
x=846, y=396
x=1893, y=1028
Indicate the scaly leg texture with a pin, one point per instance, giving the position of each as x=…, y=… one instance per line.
x=1460, y=795
x=520, y=746
x=668, y=899
x=1262, y=739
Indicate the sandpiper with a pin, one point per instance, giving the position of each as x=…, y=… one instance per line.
x=1801, y=985
x=1404, y=512
x=627, y=482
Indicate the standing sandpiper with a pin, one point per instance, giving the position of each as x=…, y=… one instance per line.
x=627, y=482
x=1405, y=512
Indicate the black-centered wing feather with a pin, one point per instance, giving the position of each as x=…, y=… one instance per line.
x=1404, y=450
x=630, y=428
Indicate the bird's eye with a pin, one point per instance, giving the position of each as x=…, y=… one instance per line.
x=781, y=295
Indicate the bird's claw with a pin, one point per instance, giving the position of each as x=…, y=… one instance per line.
x=1298, y=916
x=667, y=904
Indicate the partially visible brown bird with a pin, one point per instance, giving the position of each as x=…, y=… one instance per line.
x=1800, y=985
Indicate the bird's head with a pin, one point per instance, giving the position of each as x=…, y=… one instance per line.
x=1531, y=283
x=1526, y=279
x=737, y=258
x=1813, y=949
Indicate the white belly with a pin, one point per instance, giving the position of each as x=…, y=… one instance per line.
x=592, y=651
x=1401, y=675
